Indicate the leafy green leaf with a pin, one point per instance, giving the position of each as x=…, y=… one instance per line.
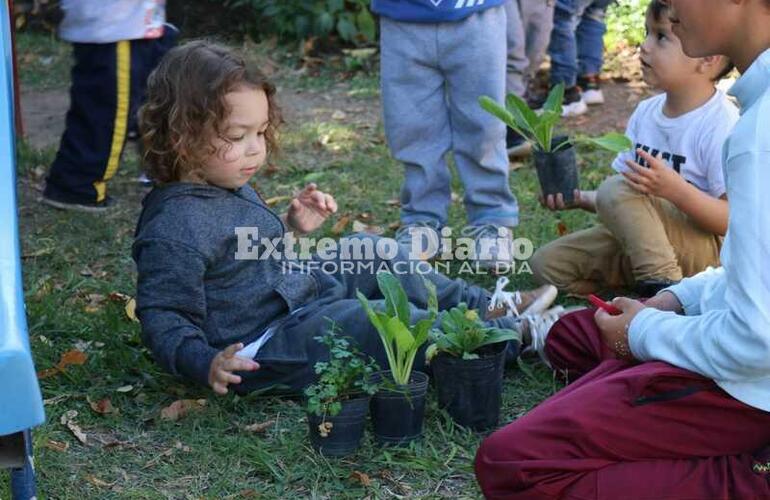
x=396, y=301
x=518, y=107
x=555, y=99
x=495, y=109
x=612, y=141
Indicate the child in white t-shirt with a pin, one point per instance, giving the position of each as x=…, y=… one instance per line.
x=663, y=217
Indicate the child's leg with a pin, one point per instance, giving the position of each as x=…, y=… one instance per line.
x=590, y=38
x=647, y=431
x=478, y=138
x=563, y=46
x=363, y=277
x=517, y=64
x=537, y=18
x=654, y=234
x=582, y=262
x=416, y=118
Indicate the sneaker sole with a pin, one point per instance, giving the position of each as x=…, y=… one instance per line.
x=574, y=109
x=75, y=207
x=593, y=97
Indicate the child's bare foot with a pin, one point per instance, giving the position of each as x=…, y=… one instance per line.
x=519, y=303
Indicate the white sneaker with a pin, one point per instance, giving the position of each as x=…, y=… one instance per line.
x=576, y=108
x=518, y=303
x=593, y=97
x=538, y=326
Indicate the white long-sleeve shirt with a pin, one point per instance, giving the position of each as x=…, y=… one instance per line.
x=725, y=332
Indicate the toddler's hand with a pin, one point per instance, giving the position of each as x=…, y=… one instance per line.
x=224, y=364
x=657, y=180
x=309, y=209
x=556, y=202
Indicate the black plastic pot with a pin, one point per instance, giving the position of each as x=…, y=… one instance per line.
x=557, y=172
x=398, y=410
x=347, y=428
x=470, y=389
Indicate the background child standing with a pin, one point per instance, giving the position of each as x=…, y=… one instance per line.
x=662, y=220
x=437, y=58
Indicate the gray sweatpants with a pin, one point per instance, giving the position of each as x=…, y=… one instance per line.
x=529, y=31
x=288, y=358
x=432, y=76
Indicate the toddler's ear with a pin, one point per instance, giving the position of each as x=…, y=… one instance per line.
x=712, y=65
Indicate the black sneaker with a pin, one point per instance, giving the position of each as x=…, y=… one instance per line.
x=515, y=145
x=650, y=288
x=79, y=206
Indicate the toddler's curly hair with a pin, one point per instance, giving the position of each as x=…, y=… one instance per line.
x=186, y=108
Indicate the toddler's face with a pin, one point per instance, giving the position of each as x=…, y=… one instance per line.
x=236, y=161
x=664, y=64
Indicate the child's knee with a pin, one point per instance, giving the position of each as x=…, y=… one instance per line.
x=612, y=193
x=549, y=266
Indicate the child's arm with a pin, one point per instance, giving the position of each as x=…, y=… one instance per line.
x=171, y=305
x=709, y=213
x=585, y=200
x=308, y=210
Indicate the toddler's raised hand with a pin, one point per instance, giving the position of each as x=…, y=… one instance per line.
x=224, y=364
x=309, y=209
x=658, y=179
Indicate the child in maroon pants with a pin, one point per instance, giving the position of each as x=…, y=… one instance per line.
x=671, y=398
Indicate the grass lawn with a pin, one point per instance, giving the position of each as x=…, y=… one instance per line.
x=76, y=266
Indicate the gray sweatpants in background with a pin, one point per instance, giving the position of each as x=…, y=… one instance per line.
x=529, y=31
x=432, y=76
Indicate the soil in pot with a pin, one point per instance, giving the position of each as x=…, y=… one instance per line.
x=398, y=410
x=343, y=432
x=557, y=171
x=471, y=389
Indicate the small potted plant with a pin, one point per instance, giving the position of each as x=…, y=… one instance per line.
x=554, y=156
x=338, y=403
x=468, y=360
x=398, y=407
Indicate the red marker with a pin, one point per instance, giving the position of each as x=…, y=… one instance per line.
x=596, y=301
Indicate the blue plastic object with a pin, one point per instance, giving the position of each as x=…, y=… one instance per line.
x=21, y=405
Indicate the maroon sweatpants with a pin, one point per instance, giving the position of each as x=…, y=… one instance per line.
x=625, y=431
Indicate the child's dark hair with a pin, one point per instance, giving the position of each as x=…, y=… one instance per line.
x=657, y=9
x=186, y=105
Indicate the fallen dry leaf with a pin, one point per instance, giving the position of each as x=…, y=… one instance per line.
x=118, y=297
x=71, y=357
x=180, y=408
x=97, y=482
x=103, y=406
x=394, y=225
x=360, y=478
x=95, y=302
x=131, y=310
x=59, y=446
x=157, y=458
x=259, y=427
x=393, y=202
x=125, y=388
x=561, y=228
x=340, y=225
x=360, y=227
x=68, y=420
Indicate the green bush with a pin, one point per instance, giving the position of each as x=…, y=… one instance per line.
x=350, y=20
x=625, y=23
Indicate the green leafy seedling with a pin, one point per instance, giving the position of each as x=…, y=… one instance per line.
x=539, y=128
x=400, y=338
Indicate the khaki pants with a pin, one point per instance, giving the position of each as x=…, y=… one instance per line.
x=640, y=237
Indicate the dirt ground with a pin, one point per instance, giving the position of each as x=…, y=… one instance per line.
x=44, y=111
